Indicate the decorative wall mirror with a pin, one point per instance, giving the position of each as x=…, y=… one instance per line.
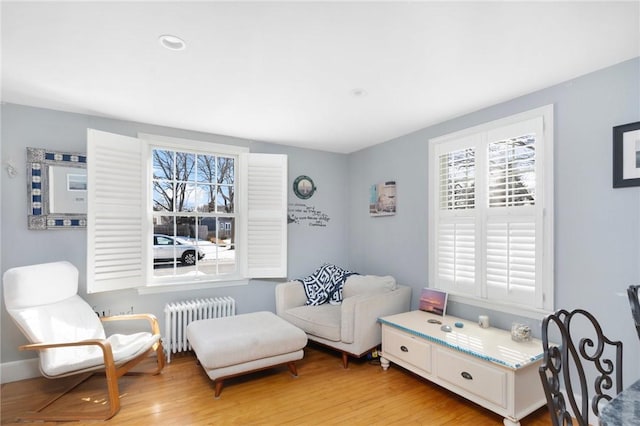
x=57, y=189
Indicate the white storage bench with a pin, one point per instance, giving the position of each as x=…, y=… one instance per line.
x=235, y=345
x=482, y=365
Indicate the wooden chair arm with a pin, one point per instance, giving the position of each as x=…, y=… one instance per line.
x=153, y=321
x=103, y=343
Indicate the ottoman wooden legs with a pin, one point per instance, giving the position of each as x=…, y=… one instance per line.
x=292, y=368
x=219, y=382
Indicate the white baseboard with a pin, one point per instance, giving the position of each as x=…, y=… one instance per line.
x=19, y=370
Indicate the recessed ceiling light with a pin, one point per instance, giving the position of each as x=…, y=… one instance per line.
x=358, y=93
x=172, y=42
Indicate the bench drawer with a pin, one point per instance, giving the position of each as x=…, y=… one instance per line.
x=406, y=347
x=481, y=379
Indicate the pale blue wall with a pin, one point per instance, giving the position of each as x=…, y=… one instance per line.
x=41, y=128
x=597, y=228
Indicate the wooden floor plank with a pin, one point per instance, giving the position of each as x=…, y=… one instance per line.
x=323, y=394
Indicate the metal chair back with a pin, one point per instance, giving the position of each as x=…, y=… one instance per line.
x=584, y=361
x=632, y=292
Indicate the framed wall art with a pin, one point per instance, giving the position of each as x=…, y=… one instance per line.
x=626, y=155
x=382, y=199
x=304, y=187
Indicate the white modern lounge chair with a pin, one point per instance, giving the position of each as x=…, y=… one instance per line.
x=352, y=326
x=69, y=337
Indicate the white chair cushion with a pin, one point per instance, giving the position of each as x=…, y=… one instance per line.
x=322, y=321
x=23, y=286
x=368, y=284
x=63, y=361
x=43, y=301
x=73, y=320
x=68, y=320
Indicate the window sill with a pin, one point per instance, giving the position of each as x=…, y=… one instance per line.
x=523, y=311
x=190, y=285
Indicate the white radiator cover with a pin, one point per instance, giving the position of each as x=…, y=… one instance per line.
x=179, y=314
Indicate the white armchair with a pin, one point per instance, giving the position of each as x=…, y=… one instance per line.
x=351, y=327
x=69, y=337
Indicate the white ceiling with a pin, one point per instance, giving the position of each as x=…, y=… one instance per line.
x=285, y=72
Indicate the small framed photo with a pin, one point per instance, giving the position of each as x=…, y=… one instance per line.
x=433, y=301
x=382, y=199
x=626, y=155
x=76, y=182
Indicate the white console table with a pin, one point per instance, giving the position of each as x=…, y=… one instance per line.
x=483, y=365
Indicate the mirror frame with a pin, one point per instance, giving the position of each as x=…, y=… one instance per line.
x=38, y=163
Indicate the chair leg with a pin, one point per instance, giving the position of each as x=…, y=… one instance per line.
x=345, y=360
x=160, y=357
x=112, y=386
x=219, y=384
x=112, y=374
x=292, y=368
x=114, y=404
x=38, y=415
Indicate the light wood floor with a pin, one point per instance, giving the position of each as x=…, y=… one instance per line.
x=323, y=394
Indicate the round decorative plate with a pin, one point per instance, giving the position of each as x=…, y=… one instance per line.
x=303, y=187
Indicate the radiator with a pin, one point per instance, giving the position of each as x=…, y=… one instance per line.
x=179, y=314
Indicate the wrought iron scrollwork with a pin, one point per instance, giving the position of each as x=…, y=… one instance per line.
x=564, y=364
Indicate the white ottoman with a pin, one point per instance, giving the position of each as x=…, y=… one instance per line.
x=235, y=345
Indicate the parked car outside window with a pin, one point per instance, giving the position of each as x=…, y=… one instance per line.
x=170, y=249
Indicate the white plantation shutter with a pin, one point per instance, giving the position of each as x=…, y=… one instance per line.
x=265, y=239
x=115, y=228
x=511, y=251
x=511, y=260
x=456, y=256
x=457, y=181
x=512, y=171
x=456, y=233
x=491, y=211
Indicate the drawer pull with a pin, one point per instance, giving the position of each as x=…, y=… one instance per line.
x=466, y=375
x=403, y=348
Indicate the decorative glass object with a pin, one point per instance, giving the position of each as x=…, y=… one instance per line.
x=520, y=332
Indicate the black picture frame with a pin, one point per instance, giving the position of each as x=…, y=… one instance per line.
x=626, y=155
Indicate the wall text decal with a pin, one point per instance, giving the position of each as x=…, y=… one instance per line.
x=301, y=213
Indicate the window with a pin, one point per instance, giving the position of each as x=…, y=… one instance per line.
x=193, y=196
x=171, y=212
x=491, y=212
